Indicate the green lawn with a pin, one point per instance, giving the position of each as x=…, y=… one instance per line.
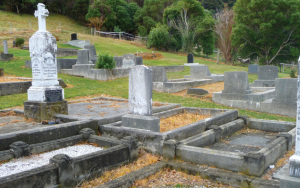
x=119, y=87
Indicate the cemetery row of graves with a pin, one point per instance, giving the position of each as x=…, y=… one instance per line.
x=134, y=141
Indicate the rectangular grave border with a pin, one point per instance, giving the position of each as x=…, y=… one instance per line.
x=212, y=174
x=193, y=148
x=153, y=141
x=82, y=167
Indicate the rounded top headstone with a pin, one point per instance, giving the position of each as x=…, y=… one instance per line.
x=74, y=36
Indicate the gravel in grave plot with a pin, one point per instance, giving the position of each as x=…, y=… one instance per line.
x=34, y=161
x=100, y=108
x=244, y=143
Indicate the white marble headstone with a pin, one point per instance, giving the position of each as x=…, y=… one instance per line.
x=5, y=47
x=128, y=61
x=140, y=90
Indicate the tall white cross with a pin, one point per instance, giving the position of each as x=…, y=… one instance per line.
x=41, y=13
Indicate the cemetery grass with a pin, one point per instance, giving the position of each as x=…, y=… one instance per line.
x=119, y=87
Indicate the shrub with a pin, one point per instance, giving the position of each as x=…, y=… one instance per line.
x=158, y=37
x=20, y=42
x=105, y=61
x=293, y=74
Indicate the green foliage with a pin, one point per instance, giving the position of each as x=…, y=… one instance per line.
x=158, y=37
x=267, y=29
x=293, y=74
x=213, y=4
x=20, y=42
x=105, y=61
x=117, y=29
x=80, y=9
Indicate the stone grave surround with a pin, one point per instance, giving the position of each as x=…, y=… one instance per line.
x=140, y=100
x=45, y=96
x=77, y=43
x=5, y=56
x=266, y=76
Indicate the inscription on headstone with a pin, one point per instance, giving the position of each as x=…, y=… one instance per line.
x=190, y=58
x=74, y=36
x=5, y=47
x=53, y=95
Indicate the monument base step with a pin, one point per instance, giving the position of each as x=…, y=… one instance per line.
x=191, y=64
x=40, y=111
x=150, y=123
x=286, y=181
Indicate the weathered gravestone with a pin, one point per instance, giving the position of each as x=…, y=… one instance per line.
x=236, y=83
x=190, y=58
x=159, y=74
x=14, y=43
x=5, y=56
x=128, y=60
x=140, y=100
x=74, y=36
x=1, y=72
x=45, y=96
x=92, y=50
x=83, y=64
x=200, y=71
x=83, y=57
x=253, y=69
x=266, y=76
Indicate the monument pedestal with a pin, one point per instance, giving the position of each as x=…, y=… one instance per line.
x=191, y=64
x=6, y=57
x=40, y=111
x=150, y=123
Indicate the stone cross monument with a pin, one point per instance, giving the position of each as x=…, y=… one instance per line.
x=45, y=96
x=295, y=159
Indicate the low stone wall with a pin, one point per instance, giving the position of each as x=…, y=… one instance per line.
x=171, y=68
x=61, y=52
x=11, y=88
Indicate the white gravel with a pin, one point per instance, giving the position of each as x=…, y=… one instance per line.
x=34, y=161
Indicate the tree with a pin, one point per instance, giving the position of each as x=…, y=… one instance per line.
x=158, y=37
x=18, y=4
x=268, y=29
x=223, y=31
x=193, y=23
x=97, y=22
x=214, y=5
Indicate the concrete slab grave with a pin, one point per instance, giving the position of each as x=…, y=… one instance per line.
x=77, y=43
x=266, y=76
x=202, y=71
x=250, y=153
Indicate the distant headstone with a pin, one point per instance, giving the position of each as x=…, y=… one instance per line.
x=92, y=49
x=236, y=83
x=253, y=69
x=190, y=58
x=1, y=72
x=267, y=72
x=14, y=43
x=5, y=47
x=83, y=57
x=197, y=91
x=140, y=91
x=128, y=61
x=200, y=71
x=74, y=36
x=159, y=74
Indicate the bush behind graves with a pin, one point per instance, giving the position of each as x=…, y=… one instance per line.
x=158, y=37
x=20, y=42
x=105, y=61
x=293, y=74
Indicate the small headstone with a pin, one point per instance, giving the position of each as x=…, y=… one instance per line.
x=14, y=43
x=1, y=72
x=190, y=58
x=197, y=91
x=267, y=72
x=159, y=74
x=253, y=69
x=128, y=60
x=74, y=36
x=25, y=47
x=140, y=91
x=83, y=57
x=5, y=47
x=236, y=83
x=200, y=71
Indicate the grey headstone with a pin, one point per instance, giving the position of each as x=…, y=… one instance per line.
x=139, y=60
x=5, y=47
x=236, y=83
x=92, y=49
x=267, y=72
x=285, y=90
x=83, y=57
x=14, y=43
x=197, y=91
x=190, y=58
x=140, y=90
x=159, y=74
x=74, y=36
x=253, y=69
x=118, y=61
x=128, y=60
x=199, y=71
